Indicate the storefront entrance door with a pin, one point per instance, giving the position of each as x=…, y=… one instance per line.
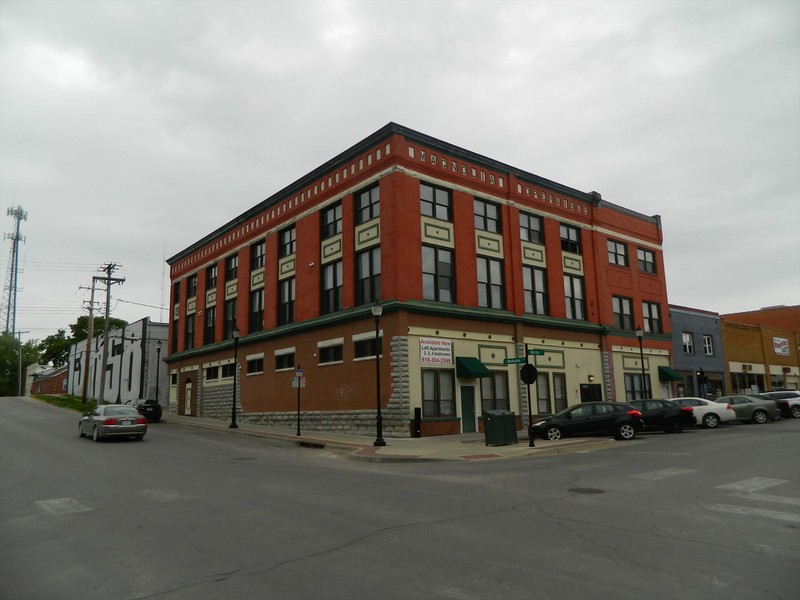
x=467, y=409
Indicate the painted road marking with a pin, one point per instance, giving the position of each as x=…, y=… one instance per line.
x=755, y=512
x=752, y=485
x=663, y=473
x=61, y=506
x=769, y=498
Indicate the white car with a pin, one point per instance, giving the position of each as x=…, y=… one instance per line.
x=707, y=413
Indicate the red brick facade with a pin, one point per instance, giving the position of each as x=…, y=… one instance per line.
x=397, y=161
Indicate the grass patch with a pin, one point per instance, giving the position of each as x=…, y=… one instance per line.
x=70, y=402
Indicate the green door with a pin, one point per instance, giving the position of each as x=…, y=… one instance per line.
x=467, y=409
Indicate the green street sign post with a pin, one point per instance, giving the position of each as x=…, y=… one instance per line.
x=515, y=361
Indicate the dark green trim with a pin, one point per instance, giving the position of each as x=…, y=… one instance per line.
x=469, y=367
x=667, y=374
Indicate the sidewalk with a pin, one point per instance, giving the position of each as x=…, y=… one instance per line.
x=468, y=446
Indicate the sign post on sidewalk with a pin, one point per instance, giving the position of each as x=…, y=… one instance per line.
x=298, y=381
x=528, y=374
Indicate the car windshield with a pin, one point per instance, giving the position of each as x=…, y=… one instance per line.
x=120, y=411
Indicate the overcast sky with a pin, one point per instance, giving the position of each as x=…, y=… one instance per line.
x=130, y=130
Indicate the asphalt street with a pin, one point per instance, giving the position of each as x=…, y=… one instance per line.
x=192, y=513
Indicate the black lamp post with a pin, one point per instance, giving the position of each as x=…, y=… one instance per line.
x=377, y=311
x=640, y=336
x=158, y=367
x=236, y=335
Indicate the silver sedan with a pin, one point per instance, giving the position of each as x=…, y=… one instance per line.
x=112, y=420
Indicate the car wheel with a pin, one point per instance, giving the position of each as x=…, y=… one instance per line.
x=674, y=426
x=95, y=434
x=625, y=432
x=80, y=430
x=710, y=420
x=795, y=411
x=553, y=433
x=760, y=417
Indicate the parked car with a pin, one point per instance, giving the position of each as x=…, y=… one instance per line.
x=751, y=408
x=149, y=408
x=664, y=415
x=619, y=419
x=113, y=420
x=787, y=400
x=707, y=413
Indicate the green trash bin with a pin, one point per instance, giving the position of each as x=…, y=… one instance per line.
x=499, y=427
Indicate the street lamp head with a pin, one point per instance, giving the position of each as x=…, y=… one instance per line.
x=377, y=310
x=640, y=333
x=158, y=345
x=236, y=333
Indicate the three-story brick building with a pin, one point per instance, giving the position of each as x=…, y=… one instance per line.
x=472, y=262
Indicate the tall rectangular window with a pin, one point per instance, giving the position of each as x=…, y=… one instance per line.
x=487, y=216
x=231, y=267
x=332, y=221
x=636, y=387
x=573, y=295
x=647, y=261
x=570, y=239
x=617, y=253
x=191, y=286
x=534, y=283
x=494, y=391
x=708, y=345
x=176, y=292
x=287, y=244
x=331, y=287
x=530, y=228
x=211, y=277
x=189, y=339
x=210, y=325
x=543, y=394
x=651, y=314
x=688, y=342
x=490, y=283
x=230, y=318
x=435, y=202
x=438, y=277
x=438, y=393
x=257, y=255
x=368, y=205
x=368, y=276
x=623, y=315
x=286, y=293
x=560, y=390
x=256, y=317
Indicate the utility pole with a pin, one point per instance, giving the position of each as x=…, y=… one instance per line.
x=21, y=383
x=89, y=332
x=109, y=268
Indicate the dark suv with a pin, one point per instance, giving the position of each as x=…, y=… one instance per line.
x=662, y=415
x=619, y=419
x=148, y=408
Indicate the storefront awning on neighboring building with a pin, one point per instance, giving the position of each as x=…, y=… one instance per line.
x=668, y=374
x=469, y=367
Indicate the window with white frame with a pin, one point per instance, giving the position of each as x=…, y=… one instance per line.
x=688, y=342
x=708, y=345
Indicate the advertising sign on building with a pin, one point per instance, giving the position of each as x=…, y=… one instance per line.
x=781, y=346
x=435, y=352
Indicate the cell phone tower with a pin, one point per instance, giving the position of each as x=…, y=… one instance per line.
x=9, y=307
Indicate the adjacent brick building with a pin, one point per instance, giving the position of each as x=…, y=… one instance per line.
x=472, y=262
x=762, y=349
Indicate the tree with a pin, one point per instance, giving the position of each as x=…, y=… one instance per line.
x=55, y=348
x=10, y=362
x=81, y=327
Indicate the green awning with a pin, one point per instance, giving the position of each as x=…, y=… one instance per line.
x=470, y=367
x=667, y=374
